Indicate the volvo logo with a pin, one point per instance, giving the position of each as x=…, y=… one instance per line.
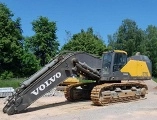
x=46, y=83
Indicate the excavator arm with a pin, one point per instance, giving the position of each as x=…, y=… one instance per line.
x=55, y=72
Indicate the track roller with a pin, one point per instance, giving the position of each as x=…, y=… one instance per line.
x=117, y=92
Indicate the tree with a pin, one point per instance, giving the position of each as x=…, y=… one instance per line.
x=112, y=41
x=85, y=41
x=44, y=44
x=29, y=64
x=128, y=37
x=10, y=45
x=151, y=51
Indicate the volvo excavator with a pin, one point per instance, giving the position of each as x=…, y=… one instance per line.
x=114, y=78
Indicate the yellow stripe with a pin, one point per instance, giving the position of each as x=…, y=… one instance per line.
x=120, y=51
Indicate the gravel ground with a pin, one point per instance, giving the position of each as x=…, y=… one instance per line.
x=57, y=108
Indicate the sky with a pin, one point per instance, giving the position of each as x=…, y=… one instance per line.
x=104, y=16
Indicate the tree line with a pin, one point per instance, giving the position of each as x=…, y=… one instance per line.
x=21, y=56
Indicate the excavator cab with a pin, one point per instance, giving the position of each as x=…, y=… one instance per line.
x=112, y=63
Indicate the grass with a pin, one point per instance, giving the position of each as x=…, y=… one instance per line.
x=14, y=82
x=155, y=79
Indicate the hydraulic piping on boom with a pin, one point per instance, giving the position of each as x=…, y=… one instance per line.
x=114, y=79
x=42, y=71
x=37, y=74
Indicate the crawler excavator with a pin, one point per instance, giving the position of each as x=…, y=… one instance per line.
x=114, y=78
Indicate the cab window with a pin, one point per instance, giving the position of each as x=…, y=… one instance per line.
x=107, y=58
x=120, y=60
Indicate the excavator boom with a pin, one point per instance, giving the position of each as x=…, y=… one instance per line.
x=49, y=77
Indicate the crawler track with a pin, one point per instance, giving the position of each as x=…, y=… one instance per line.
x=117, y=92
x=106, y=93
x=79, y=91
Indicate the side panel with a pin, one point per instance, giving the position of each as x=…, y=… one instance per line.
x=137, y=69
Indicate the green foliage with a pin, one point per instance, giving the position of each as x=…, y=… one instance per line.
x=10, y=43
x=6, y=75
x=43, y=44
x=86, y=41
x=15, y=59
x=11, y=82
x=29, y=64
x=151, y=51
x=128, y=37
x=155, y=79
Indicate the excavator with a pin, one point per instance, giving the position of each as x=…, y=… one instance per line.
x=114, y=78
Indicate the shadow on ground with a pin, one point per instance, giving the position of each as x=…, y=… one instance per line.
x=31, y=109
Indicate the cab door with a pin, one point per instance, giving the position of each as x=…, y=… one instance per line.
x=112, y=63
x=120, y=59
x=106, y=65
